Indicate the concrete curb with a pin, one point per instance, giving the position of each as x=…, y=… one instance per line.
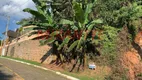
x=40, y=67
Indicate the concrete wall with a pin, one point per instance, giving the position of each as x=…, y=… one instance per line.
x=0, y=50
x=29, y=50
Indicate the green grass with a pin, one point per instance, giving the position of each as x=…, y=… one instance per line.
x=84, y=77
x=76, y=75
x=28, y=61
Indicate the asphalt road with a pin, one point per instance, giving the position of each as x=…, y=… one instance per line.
x=8, y=74
x=10, y=70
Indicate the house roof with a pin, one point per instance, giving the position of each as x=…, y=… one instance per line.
x=11, y=33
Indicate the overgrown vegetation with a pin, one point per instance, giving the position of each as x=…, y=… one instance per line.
x=84, y=30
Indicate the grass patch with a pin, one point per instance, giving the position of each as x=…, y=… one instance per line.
x=99, y=74
x=81, y=77
x=28, y=61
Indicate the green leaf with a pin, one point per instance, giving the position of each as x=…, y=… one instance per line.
x=44, y=24
x=35, y=13
x=61, y=56
x=74, y=27
x=87, y=11
x=80, y=26
x=56, y=43
x=91, y=25
x=65, y=41
x=81, y=41
x=65, y=21
x=45, y=14
x=98, y=21
x=36, y=1
x=73, y=45
x=54, y=33
x=79, y=13
x=39, y=9
x=56, y=4
x=42, y=42
x=50, y=40
x=49, y=18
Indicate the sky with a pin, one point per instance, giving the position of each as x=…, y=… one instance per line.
x=14, y=9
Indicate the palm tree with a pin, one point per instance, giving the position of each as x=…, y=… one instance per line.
x=83, y=27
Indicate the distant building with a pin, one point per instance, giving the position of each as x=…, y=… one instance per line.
x=23, y=34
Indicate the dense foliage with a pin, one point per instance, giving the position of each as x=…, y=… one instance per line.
x=83, y=29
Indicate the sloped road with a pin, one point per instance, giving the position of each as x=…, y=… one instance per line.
x=7, y=74
x=28, y=72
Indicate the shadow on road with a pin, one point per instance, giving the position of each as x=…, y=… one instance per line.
x=4, y=76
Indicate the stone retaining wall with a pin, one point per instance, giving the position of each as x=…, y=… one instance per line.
x=29, y=50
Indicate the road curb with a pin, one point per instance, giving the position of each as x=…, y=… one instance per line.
x=40, y=67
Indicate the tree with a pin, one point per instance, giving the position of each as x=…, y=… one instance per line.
x=69, y=47
x=43, y=16
x=117, y=12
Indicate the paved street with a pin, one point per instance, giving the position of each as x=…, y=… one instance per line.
x=9, y=69
x=7, y=74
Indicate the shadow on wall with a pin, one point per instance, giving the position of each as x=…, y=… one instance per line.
x=12, y=51
x=45, y=56
x=0, y=50
x=7, y=49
